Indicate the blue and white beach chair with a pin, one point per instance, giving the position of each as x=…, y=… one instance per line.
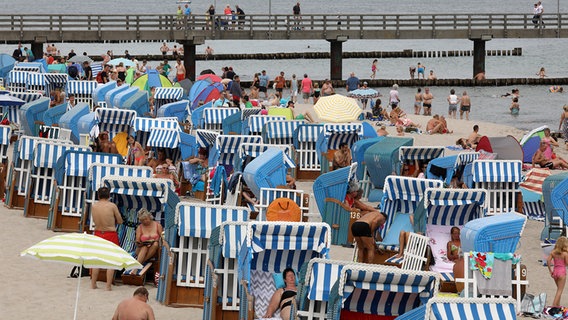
x=222, y=282
x=305, y=138
x=114, y=120
x=18, y=80
x=213, y=117
x=380, y=290
x=439, y=308
x=194, y=224
x=83, y=91
x=143, y=125
x=36, y=83
x=332, y=136
x=257, y=122
x=270, y=248
x=501, y=179
x=280, y=132
x=164, y=96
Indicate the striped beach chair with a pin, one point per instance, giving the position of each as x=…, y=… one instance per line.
x=114, y=120
x=222, y=298
x=365, y=289
x=280, y=132
x=531, y=187
x=267, y=195
x=206, y=138
x=96, y=68
x=14, y=111
x=333, y=135
x=257, y=122
x=5, y=135
x=253, y=150
x=195, y=222
x=55, y=132
x=100, y=92
x=419, y=153
x=305, y=138
x=228, y=146
x=143, y=125
x=358, y=152
x=20, y=168
x=41, y=177
x=213, y=117
x=439, y=308
x=501, y=179
x=131, y=194
x=18, y=80
x=112, y=93
x=67, y=207
x=83, y=91
x=315, y=285
x=165, y=95
x=55, y=80
x=36, y=83
x=167, y=139
x=270, y=248
x=97, y=171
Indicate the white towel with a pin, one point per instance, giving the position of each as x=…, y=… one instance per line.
x=500, y=282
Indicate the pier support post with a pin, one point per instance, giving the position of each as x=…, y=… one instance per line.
x=336, y=53
x=37, y=48
x=189, y=56
x=479, y=53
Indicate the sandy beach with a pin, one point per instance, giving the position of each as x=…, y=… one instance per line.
x=42, y=290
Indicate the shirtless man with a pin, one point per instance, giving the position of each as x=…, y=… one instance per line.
x=105, y=144
x=544, y=162
x=427, y=99
x=436, y=125
x=342, y=157
x=105, y=216
x=474, y=136
x=363, y=230
x=418, y=99
x=135, y=307
x=465, y=106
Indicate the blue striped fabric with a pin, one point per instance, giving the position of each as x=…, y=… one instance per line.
x=56, y=78
x=198, y=220
x=534, y=210
x=280, y=132
x=27, y=96
x=246, y=113
x=18, y=77
x=27, y=145
x=384, y=290
x=77, y=163
x=138, y=193
x=35, y=79
x=28, y=67
x=471, y=308
x=257, y=122
x=420, y=153
x=447, y=276
x=216, y=115
x=5, y=134
x=254, y=150
x=97, y=171
x=145, y=124
x=323, y=275
x=206, y=138
x=333, y=184
x=395, y=260
x=172, y=93
x=402, y=194
x=96, y=68
x=115, y=120
x=307, y=133
x=163, y=138
x=274, y=246
x=81, y=87
x=497, y=171
x=454, y=207
x=338, y=133
x=46, y=153
x=466, y=157
x=228, y=146
x=232, y=238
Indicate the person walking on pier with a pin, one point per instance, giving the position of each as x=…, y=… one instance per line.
x=297, y=15
x=420, y=68
x=240, y=16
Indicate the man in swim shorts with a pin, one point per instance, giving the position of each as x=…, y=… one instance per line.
x=363, y=231
x=105, y=216
x=427, y=102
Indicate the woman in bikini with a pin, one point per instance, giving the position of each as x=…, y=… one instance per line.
x=136, y=154
x=147, y=237
x=454, y=245
x=282, y=297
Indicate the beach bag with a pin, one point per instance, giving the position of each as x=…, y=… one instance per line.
x=283, y=209
x=75, y=272
x=533, y=305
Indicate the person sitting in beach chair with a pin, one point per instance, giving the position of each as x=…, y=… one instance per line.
x=283, y=297
x=148, y=235
x=342, y=157
x=540, y=158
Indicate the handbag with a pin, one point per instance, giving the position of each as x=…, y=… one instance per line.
x=533, y=305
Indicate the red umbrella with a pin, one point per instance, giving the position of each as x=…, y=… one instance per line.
x=210, y=77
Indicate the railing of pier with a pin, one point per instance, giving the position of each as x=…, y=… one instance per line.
x=275, y=23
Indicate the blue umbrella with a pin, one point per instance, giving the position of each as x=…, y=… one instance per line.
x=8, y=100
x=125, y=62
x=363, y=93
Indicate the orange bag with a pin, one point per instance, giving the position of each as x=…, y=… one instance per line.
x=283, y=209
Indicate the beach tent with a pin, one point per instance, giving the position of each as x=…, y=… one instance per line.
x=6, y=64
x=506, y=148
x=537, y=132
x=382, y=160
x=151, y=79
x=100, y=92
x=530, y=147
x=32, y=112
x=204, y=91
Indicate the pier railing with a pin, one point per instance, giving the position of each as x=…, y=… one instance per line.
x=310, y=26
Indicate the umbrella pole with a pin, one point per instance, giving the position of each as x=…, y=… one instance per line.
x=78, y=287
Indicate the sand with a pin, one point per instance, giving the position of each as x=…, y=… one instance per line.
x=42, y=290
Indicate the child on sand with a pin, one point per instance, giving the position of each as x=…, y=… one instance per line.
x=558, y=256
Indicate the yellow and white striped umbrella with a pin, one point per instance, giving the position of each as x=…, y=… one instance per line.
x=83, y=250
x=337, y=108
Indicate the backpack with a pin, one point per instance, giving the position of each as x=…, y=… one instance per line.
x=73, y=72
x=283, y=209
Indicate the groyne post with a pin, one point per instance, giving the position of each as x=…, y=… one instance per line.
x=336, y=57
x=479, y=53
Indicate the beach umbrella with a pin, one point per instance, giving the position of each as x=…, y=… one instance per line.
x=125, y=62
x=82, y=250
x=209, y=77
x=81, y=59
x=363, y=93
x=337, y=108
x=8, y=100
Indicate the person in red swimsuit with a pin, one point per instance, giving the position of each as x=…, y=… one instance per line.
x=106, y=216
x=148, y=235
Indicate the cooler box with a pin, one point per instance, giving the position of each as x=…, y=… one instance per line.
x=499, y=233
x=72, y=120
x=266, y=171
